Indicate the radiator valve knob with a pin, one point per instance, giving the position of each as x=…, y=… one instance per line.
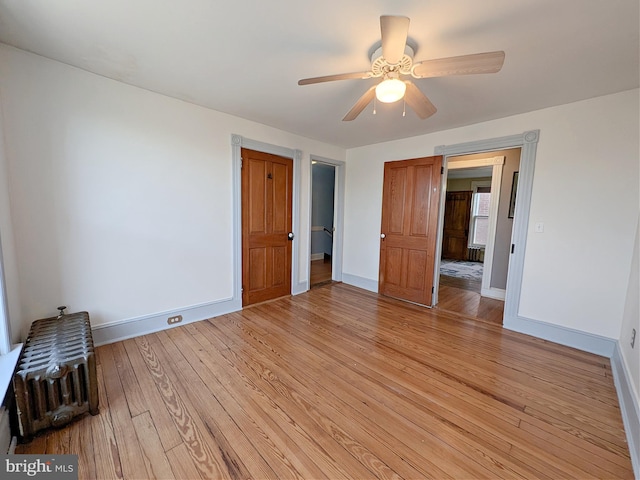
x=61, y=310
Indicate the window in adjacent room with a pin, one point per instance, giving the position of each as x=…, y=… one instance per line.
x=479, y=224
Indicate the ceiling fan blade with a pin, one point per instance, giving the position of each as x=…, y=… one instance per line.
x=394, y=32
x=360, y=105
x=488, y=62
x=331, y=78
x=418, y=101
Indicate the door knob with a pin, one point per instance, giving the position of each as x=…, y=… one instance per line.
x=382, y=236
x=290, y=236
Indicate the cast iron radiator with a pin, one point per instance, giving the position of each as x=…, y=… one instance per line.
x=475, y=254
x=55, y=380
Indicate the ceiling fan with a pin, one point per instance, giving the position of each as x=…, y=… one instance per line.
x=395, y=59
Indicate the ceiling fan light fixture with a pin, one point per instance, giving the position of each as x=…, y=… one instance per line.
x=390, y=90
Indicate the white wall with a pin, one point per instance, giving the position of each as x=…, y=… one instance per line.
x=585, y=191
x=121, y=199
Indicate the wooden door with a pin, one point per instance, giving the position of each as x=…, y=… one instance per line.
x=267, y=182
x=457, y=212
x=410, y=200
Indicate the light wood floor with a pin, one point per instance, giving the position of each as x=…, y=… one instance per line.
x=342, y=383
x=320, y=272
x=461, y=296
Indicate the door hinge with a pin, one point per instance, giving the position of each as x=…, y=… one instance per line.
x=241, y=160
x=441, y=170
x=433, y=289
x=513, y=247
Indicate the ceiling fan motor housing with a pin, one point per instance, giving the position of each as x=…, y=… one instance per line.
x=380, y=67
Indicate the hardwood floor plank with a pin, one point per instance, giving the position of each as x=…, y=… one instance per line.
x=239, y=391
x=81, y=441
x=440, y=350
x=153, y=456
x=208, y=463
x=182, y=464
x=448, y=437
x=135, y=398
x=266, y=409
x=343, y=383
x=352, y=455
x=167, y=431
x=497, y=429
x=204, y=399
x=105, y=448
x=129, y=450
x=369, y=421
x=573, y=448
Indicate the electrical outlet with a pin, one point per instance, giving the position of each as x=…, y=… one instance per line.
x=633, y=337
x=174, y=320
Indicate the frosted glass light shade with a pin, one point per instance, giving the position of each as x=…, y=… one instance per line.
x=390, y=90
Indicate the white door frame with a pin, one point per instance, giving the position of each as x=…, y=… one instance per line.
x=239, y=142
x=338, y=216
x=528, y=143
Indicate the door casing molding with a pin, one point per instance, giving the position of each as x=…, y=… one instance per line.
x=238, y=142
x=528, y=143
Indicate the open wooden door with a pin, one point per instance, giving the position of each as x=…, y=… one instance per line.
x=267, y=183
x=457, y=213
x=410, y=198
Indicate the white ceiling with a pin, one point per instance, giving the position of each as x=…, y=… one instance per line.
x=245, y=57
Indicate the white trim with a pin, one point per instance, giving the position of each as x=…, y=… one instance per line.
x=8, y=364
x=496, y=180
x=239, y=142
x=317, y=256
x=528, y=142
x=360, y=282
x=584, y=341
x=492, y=292
x=5, y=327
x=299, y=288
x=133, y=327
x=338, y=214
x=629, y=406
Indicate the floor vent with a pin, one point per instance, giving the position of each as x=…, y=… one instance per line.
x=55, y=380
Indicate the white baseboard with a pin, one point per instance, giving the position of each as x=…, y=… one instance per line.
x=360, y=282
x=496, y=293
x=629, y=406
x=317, y=256
x=587, y=342
x=300, y=288
x=134, y=327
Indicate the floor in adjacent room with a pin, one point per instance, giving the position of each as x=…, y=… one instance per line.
x=320, y=272
x=461, y=295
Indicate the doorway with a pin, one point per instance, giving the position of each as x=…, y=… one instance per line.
x=476, y=233
x=323, y=182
